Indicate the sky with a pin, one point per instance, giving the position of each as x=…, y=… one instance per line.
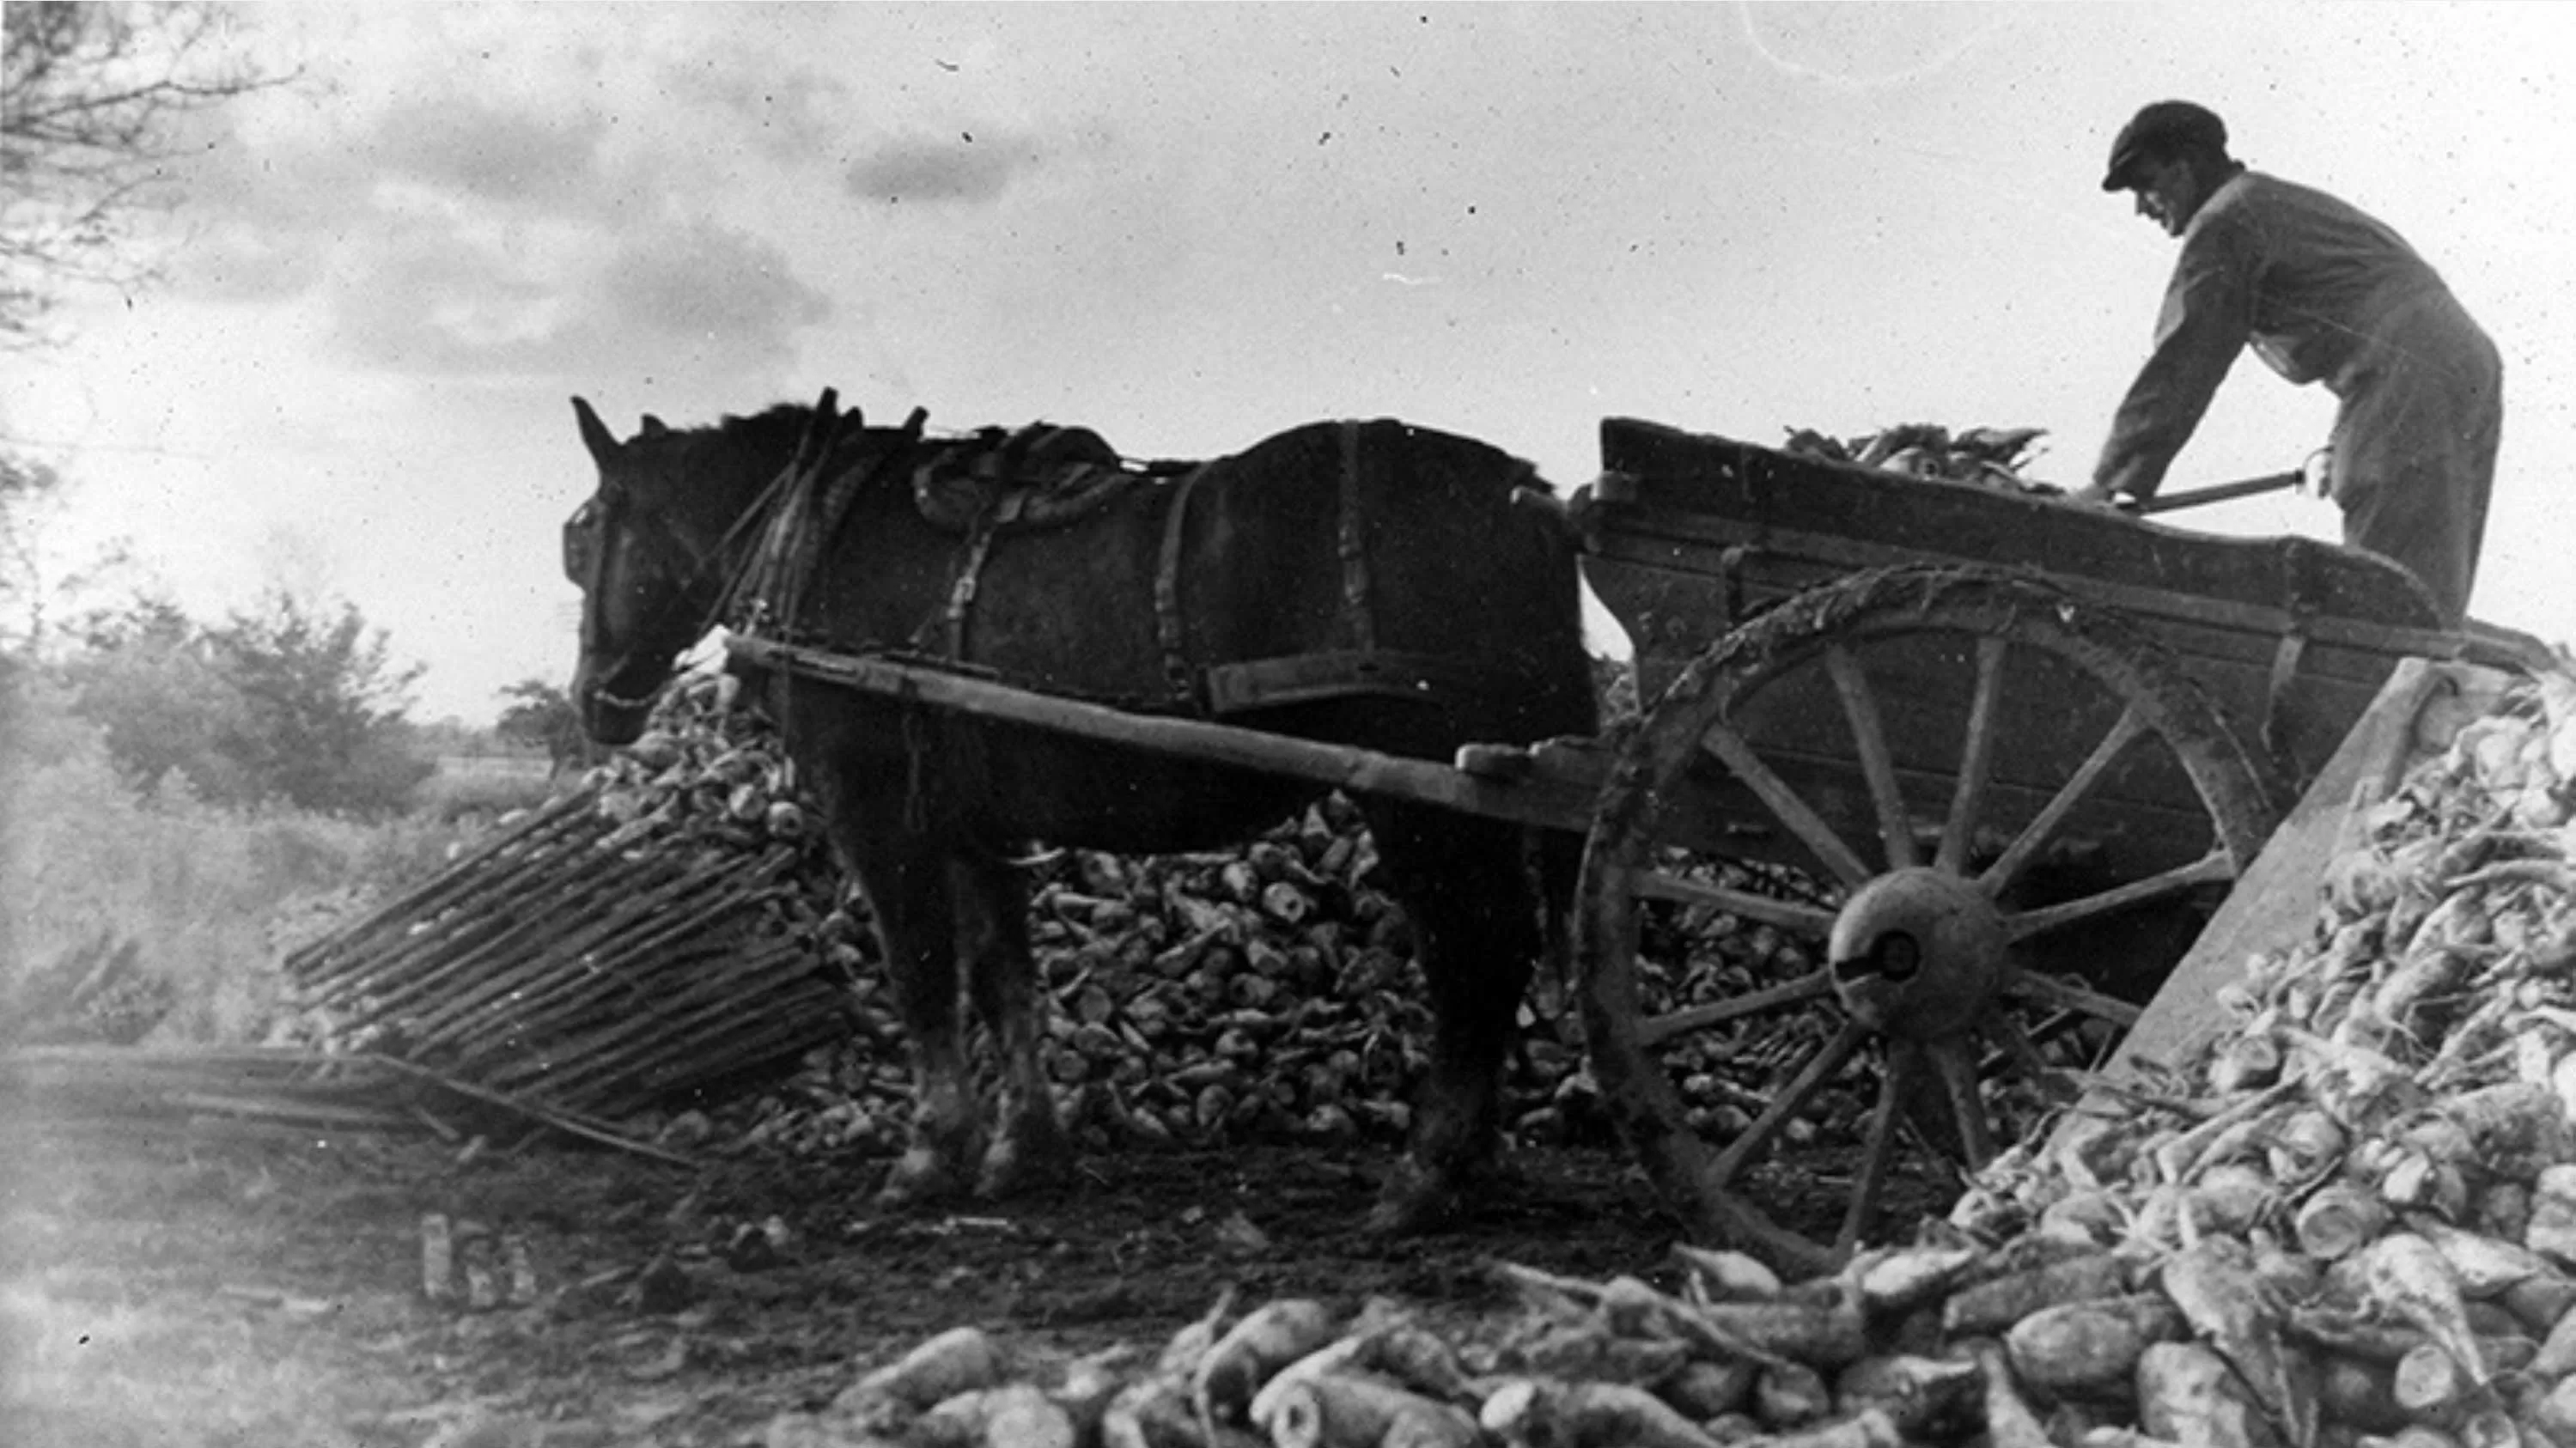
x=1188, y=227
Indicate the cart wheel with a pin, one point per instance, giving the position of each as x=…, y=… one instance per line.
x=1986, y=782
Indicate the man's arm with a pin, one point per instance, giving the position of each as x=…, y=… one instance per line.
x=2206, y=319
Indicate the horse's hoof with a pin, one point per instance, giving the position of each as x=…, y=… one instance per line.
x=1413, y=1202
x=921, y=1178
x=1040, y=1159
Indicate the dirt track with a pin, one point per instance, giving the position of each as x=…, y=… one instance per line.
x=228, y=1290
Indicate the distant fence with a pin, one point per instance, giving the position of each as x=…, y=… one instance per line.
x=495, y=766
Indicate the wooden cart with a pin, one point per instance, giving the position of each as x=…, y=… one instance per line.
x=1947, y=776
x=2030, y=745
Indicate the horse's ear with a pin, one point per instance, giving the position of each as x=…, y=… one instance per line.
x=653, y=426
x=595, y=435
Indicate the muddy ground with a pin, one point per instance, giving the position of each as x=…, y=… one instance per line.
x=178, y=1286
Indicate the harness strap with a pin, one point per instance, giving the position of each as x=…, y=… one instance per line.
x=1240, y=685
x=1249, y=684
x=1168, y=631
x=804, y=544
x=970, y=568
x=594, y=573
x=1355, y=575
x=797, y=515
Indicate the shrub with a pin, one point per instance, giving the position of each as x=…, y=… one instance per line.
x=475, y=799
x=209, y=895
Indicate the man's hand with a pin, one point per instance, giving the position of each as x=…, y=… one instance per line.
x=2099, y=496
x=2316, y=473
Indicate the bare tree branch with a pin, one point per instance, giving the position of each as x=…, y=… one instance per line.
x=94, y=101
x=92, y=115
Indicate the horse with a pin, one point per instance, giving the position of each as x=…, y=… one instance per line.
x=1365, y=583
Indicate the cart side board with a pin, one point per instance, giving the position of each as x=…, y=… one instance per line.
x=1688, y=534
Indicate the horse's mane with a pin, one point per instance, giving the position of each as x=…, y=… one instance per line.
x=789, y=418
x=766, y=436
x=737, y=449
x=767, y=439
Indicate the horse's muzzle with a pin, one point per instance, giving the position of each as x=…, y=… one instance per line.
x=609, y=716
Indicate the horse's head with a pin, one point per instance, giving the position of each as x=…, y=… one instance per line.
x=643, y=550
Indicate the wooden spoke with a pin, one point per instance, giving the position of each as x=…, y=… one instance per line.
x=1877, y=764
x=2018, y=1048
x=1810, y=1079
x=1655, y=1030
x=2023, y=1054
x=2000, y=875
x=1896, y=1086
x=1784, y=804
x=2048, y=990
x=2056, y=1023
x=1789, y=915
x=1976, y=758
x=2212, y=868
x=1956, y=1060
x=1960, y=686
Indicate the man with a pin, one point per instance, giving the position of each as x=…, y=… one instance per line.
x=2325, y=294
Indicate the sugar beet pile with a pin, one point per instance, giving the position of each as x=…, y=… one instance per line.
x=2348, y=1218
x=676, y=929
x=1261, y=993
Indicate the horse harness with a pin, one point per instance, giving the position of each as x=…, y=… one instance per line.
x=585, y=558
x=1043, y=477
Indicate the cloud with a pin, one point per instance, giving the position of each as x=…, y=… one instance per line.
x=272, y=214
x=970, y=166
x=705, y=283
x=471, y=146
x=783, y=109
x=697, y=297
x=412, y=299
x=548, y=227
x=257, y=219
x=247, y=264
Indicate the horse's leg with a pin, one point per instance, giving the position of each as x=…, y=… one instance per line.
x=1029, y=1146
x=1465, y=886
x=916, y=922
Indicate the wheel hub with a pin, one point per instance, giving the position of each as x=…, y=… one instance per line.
x=1917, y=953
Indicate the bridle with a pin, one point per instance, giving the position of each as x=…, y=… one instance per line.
x=586, y=549
x=586, y=532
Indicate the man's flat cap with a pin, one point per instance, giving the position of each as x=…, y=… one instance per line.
x=2162, y=128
